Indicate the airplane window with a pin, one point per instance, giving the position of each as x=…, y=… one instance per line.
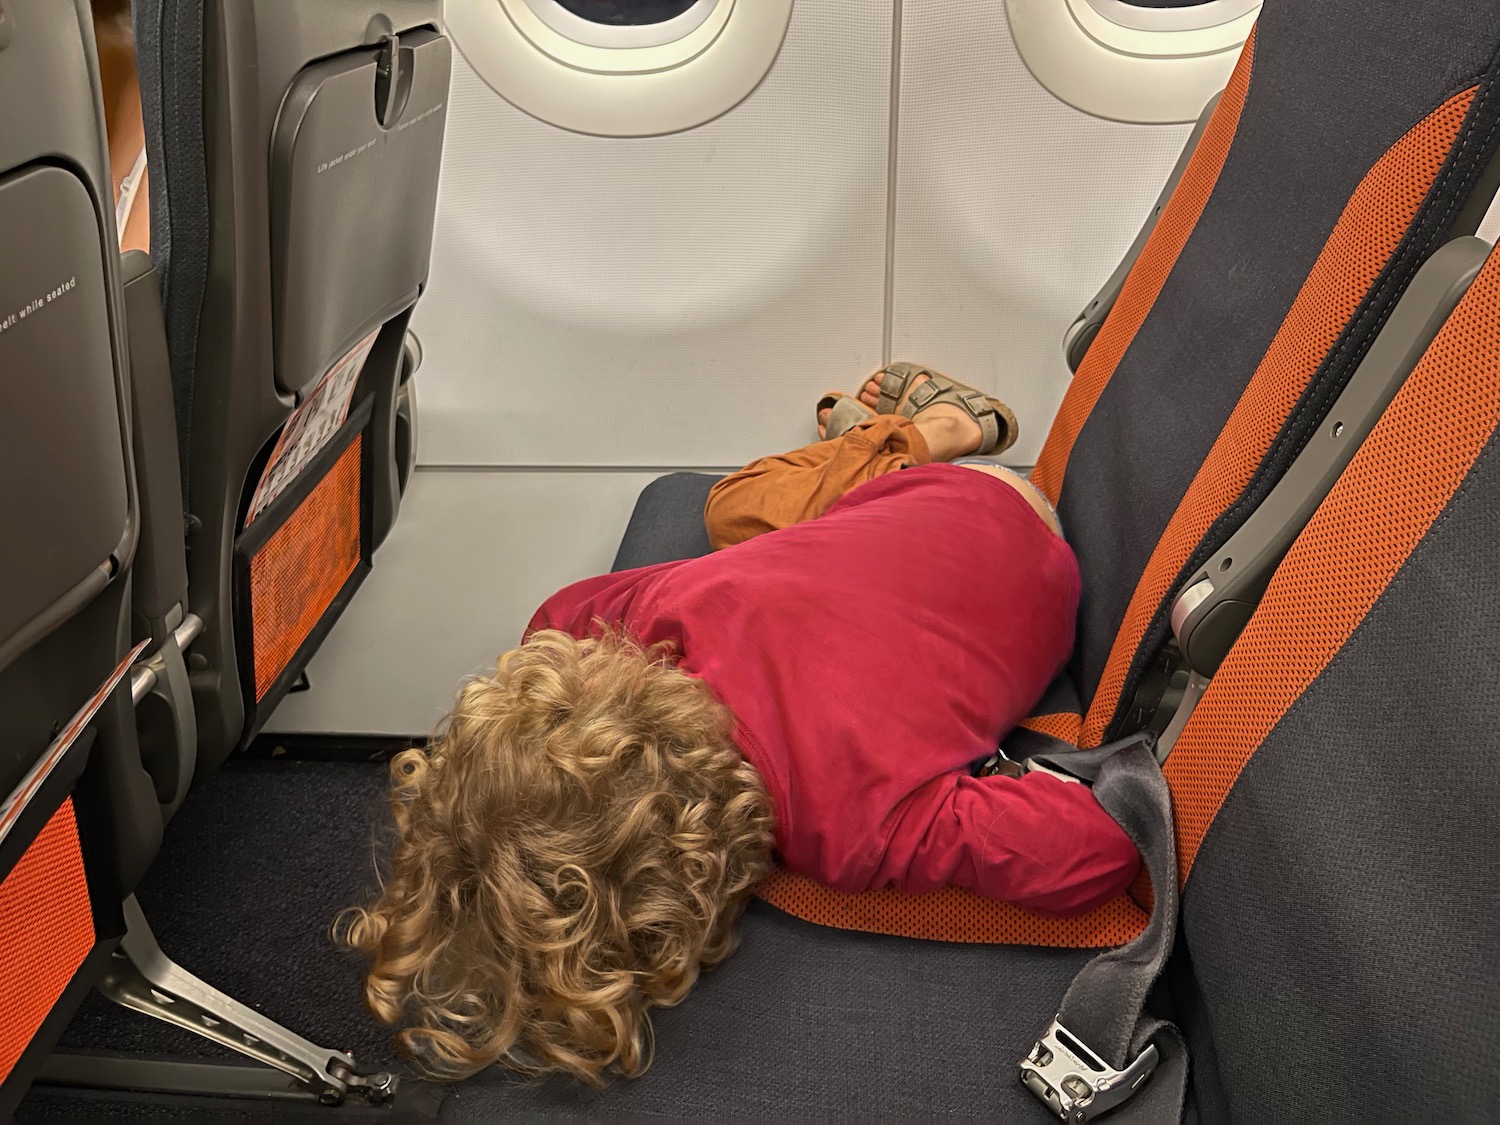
x=1151, y=62
x=616, y=25
x=627, y=12
x=1172, y=15
x=620, y=68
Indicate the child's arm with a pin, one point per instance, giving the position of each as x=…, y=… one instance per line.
x=1036, y=841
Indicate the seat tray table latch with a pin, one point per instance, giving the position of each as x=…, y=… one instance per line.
x=1074, y=1082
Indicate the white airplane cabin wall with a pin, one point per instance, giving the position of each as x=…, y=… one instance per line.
x=1011, y=210
x=603, y=309
x=609, y=301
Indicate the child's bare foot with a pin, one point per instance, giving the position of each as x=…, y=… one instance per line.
x=869, y=394
x=950, y=431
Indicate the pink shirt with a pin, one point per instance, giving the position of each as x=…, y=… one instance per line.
x=870, y=656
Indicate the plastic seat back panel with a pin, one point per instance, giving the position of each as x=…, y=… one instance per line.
x=61, y=451
x=76, y=835
x=309, y=136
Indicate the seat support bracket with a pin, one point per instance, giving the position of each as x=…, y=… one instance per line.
x=143, y=978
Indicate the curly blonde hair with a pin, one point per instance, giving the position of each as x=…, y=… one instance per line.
x=572, y=849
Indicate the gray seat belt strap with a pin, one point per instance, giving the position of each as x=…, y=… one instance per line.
x=1103, y=1049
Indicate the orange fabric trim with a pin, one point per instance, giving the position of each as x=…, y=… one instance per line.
x=952, y=914
x=296, y=575
x=1059, y=724
x=1382, y=506
x=46, y=931
x=1368, y=232
x=1144, y=282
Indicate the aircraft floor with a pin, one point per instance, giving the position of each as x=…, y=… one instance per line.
x=802, y=1022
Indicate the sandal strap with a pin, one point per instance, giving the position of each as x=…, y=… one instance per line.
x=893, y=383
x=925, y=395
x=977, y=404
x=846, y=413
x=827, y=402
x=997, y=422
x=989, y=428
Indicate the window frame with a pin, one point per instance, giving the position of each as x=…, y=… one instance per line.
x=622, y=36
x=1163, y=74
x=1181, y=17
x=615, y=91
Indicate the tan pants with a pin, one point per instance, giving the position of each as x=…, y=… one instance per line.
x=776, y=492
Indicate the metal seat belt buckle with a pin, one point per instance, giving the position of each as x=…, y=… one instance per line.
x=998, y=765
x=1074, y=1082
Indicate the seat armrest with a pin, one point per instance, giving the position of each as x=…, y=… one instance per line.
x=1081, y=332
x=1215, y=605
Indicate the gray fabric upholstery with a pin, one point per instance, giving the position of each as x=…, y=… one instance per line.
x=1061, y=697
x=801, y=1023
x=1342, y=911
x=667, y=522
x=1335, y=84
x=810, y=1024
x=169, y=57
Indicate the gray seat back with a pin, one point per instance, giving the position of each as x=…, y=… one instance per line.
x=1333, y=788
x=1337, y=183
x=79, y=817
x=298, y=149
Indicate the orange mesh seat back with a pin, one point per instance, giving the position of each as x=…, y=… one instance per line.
x=1063, y=725
x=1144, y=283
x=299, y=571
x=1367, y=234
x=952, y=914
x=1386, y=501
x=46, y=932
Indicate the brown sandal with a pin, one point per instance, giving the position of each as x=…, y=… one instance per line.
x=844, y=413
x=997, y=422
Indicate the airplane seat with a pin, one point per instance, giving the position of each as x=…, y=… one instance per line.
x=1283, y=325
x=1335, y=850
x=95, y=628
x=294, y=158
x=79, y=815
x=667, y=522
x=1256, y=296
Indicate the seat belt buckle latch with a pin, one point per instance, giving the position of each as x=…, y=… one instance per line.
x=1074, y=1082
